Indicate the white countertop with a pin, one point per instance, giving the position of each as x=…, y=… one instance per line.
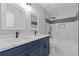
x=13, y=42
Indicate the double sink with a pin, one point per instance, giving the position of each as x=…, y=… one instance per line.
x=13, y=42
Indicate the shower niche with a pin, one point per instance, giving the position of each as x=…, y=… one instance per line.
x=34, y=22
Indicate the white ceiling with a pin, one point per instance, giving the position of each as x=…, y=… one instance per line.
x=61, y=10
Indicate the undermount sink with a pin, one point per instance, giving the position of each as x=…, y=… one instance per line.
x=20, y=39
x=13, y=40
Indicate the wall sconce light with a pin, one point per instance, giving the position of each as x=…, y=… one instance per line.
x=28, y=7
x=52, y=18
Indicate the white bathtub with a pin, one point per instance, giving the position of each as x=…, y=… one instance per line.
x=63, y=48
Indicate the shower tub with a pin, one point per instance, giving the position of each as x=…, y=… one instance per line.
x=63, y=48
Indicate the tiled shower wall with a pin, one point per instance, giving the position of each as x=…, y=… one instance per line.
x=68, y=32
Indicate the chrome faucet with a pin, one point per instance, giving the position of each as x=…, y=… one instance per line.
x=17, y=33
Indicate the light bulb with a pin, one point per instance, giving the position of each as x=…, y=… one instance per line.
x=28, y=8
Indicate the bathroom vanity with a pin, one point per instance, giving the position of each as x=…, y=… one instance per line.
x=33, y=46
x=13, y=17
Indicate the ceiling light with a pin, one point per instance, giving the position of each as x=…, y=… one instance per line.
x=28, y=7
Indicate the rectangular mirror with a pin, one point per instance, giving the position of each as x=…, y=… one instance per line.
x=13, y=17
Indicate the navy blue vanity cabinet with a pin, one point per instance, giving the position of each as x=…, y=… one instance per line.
x=38, y=47
x=17, y=50
x=44, y=47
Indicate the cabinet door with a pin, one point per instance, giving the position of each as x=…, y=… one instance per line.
x=41, y=51
x=33, y=52
x=13, y=17
x=14, y=51
x=46, y=46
